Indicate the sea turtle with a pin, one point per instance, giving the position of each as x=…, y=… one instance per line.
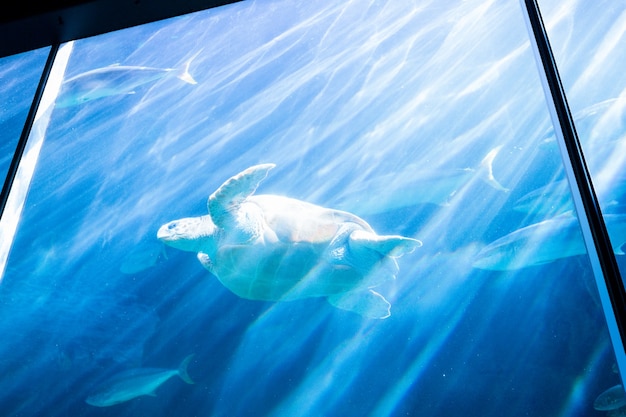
x=275, y=248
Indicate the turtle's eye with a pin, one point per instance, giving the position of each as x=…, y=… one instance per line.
x=171, y=226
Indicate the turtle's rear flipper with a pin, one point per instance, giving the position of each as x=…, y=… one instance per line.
x=394, y=246
x=366, y=303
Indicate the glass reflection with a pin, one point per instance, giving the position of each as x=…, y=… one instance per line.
x=595, y=88
x=426, y=120
x=587, y=40
x=20, y=76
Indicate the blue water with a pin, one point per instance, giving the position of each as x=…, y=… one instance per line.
x=337, y=94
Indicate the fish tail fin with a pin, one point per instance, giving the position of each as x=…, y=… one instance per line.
x=486, y=170
x=184, y=74
x=182, y=369
x=163, y=252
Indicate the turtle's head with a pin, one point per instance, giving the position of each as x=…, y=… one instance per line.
x=192, y=234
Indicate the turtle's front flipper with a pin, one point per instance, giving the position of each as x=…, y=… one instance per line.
x=206, y=262
x=366, y=303
x=225, y=201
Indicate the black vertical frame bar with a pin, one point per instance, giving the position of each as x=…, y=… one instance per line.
x=588, y=200
x=28, y=124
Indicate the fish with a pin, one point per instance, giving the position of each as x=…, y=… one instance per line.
x=611, y=399
x=551, y=199
x=601, y=122
x=134, y=383
x=413, y=186
x=114, y=80
x=544, y=242
x=555, y=197
x=143, y=257
x=618, y=412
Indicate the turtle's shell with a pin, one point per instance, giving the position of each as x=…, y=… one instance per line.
x=299, y=253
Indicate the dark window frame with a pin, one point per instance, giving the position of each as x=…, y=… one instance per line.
x=32, y=24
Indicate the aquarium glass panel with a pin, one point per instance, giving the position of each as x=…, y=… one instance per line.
x=20, y=76
x=326, y=208
x=589, y=43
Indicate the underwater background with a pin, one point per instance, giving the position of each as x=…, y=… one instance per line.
x=425, y=118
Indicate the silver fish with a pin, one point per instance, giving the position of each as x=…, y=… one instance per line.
x=413, y=186
x=601, y=123
x=611, y=399
x=552, y=199
x=545, y=242
x=114, y=80
x=135, y=383
x=555, y=198
x=143, y=257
